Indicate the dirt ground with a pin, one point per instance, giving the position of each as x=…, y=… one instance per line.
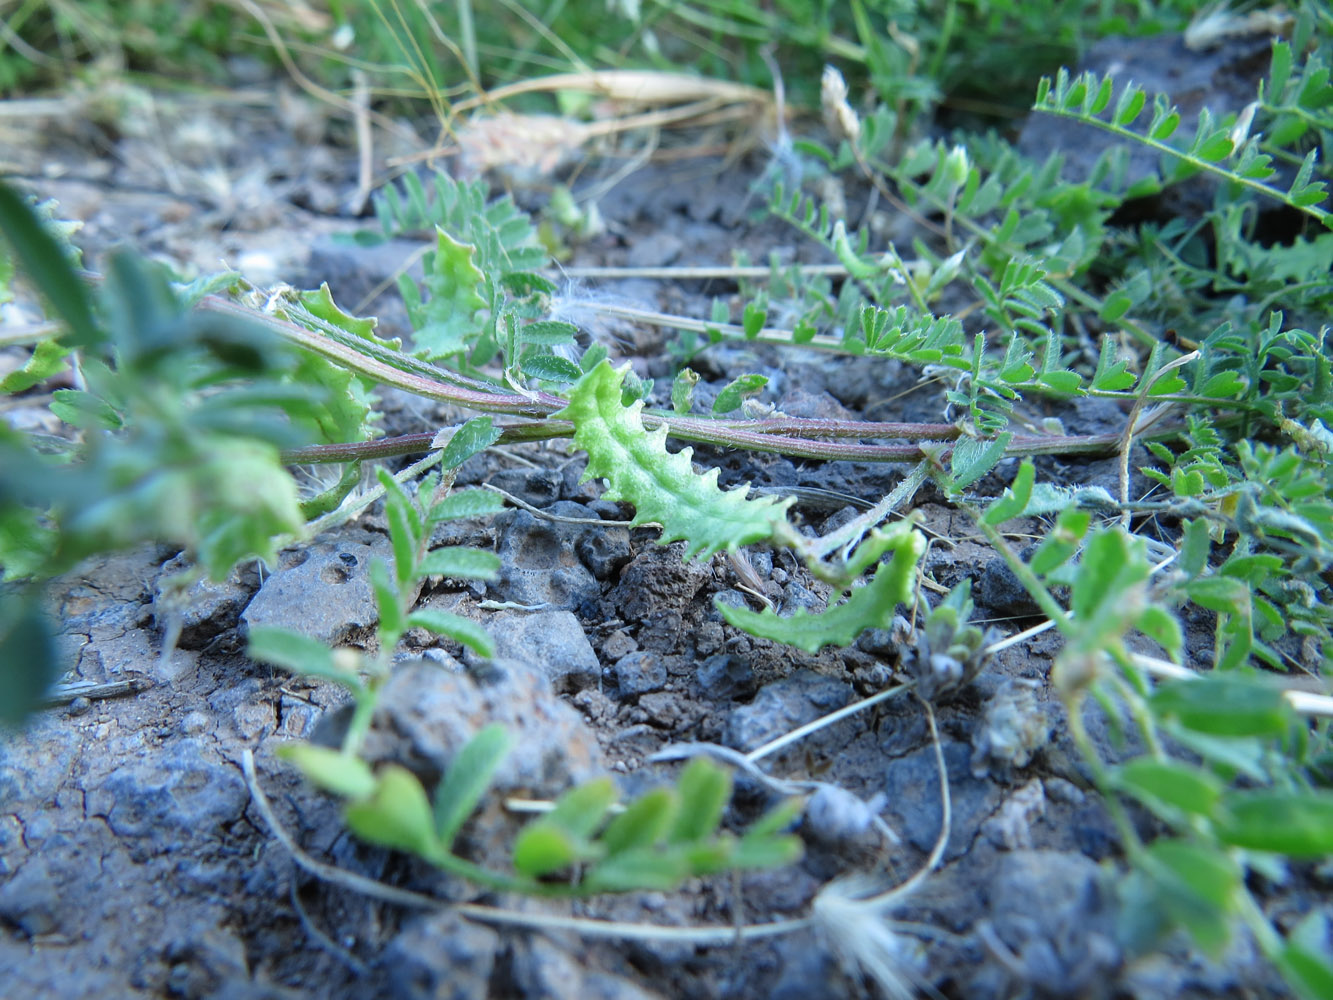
x=133, y=860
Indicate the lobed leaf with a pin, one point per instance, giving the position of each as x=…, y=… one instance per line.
x=663, y=487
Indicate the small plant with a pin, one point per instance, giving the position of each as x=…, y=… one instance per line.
x=1232, y=412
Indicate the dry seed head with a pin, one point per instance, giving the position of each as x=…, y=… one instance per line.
x=839, y=117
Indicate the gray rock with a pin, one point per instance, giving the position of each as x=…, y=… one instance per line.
x=162, y=798
x=782, y=706
x=639, y=673
x=441, y=956
x=1051, y=910
x=543, y=969
x=324, y=595
x=552, y=641
x=539, y=561
x=725, y=676
x=426, y=715
x=604, y=550
x=1000, y=590
x=539, y=487
x=207, y=609
x=31, y=899
x=912, y=789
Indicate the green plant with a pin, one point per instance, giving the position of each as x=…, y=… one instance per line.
x=1060, y=306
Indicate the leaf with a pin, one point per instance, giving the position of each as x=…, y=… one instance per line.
x=332, y=770
x=397, y=815
x=1305, y=959
x=869, y=606
x=48, y=359
x=704, y=789
x=682, y=390
x=465, y=504
x=28, y=664
x=1225, y=705
x=541, y=849
x=1170, y=788
x=640, y=868
x=392, y=623
x=582, y=809
x=406, y=528
x=736, y=390
x=550, y=368
x=84, y=410
x=644, y=822
x=445, y=323
x=547, y=333
x=1063, y=541
x=663, y=487
x=766, y=851
x=459, y=563
x=466, y=780
x=464, y=630
x=299, y=654
x=45, y=263
x=1015, y=498
x=974, y=457
x=476, y=435
x=1199, y=888
x=1298, y=824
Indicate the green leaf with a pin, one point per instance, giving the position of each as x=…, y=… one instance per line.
x=445, y=323
x=48, y=359
x=28, y=664
x=1165, y=127
x=1225, y=705
x=1063, y=541
x=753, y=318
x=736, y=390
x=550, y=368
x=1015, y=498
x=663, y=487
x=392, y=622
x=644, y=822
x=406, y=527
x=704, y=789
x=1223, y=385
x=682, y=390
x=84, y=410
x=548, y=333
x=460, y=563
x=397, y=815
x=582, y=809
x=1305, y=961
x=1198, y=886
x=1195, y=544
x=1111, y=565
x=974, y=457
x=466, y=780
x=45, y=263
x=471, y=634
x=869, y=606
x=319, y=303
x=465, y=504
x=1298, y=824
x=541, y=849
x=766, y=851
x=640, y=868
x=1170, y=788
x=476, y=435
x=332, y=770
x=300, y=654
x=1061, y=381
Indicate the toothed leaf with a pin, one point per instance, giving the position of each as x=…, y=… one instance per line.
x=663, y=487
